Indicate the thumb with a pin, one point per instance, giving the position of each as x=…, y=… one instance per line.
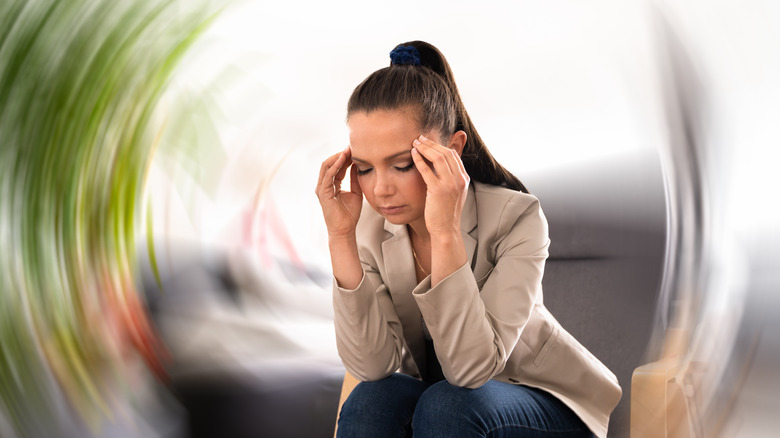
x=354, y=184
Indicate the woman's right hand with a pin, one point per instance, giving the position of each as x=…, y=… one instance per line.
x=341, y=209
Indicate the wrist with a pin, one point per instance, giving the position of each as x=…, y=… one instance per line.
x=446, y=238
x=345, y=261
x=342, y=239
x=448, y=254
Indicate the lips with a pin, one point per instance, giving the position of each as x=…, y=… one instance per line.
x=391, y=210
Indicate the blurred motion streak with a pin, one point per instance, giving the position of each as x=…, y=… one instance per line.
x=80, y=83
x=706, y=336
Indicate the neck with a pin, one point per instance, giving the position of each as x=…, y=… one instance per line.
x=418, y=232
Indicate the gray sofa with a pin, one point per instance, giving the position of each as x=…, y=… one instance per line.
x=608, y=238
x=607, y=227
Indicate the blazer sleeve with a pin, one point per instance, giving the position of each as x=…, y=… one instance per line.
x=368, y=332
x=475, y=331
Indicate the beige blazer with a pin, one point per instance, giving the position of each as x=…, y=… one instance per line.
x=487, y=319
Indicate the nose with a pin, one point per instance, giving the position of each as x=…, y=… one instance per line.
x=384, y=185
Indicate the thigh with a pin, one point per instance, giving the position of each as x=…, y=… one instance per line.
x=496, y=409
x=383, y=408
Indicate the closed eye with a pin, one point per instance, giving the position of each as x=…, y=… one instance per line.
x=362, y=172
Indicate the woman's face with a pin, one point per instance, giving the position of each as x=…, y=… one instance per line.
x=381, y=144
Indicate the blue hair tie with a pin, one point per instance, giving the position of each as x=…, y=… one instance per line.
x=405, y=55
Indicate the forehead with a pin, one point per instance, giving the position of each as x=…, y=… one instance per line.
x=381, y=133
x=381, y=124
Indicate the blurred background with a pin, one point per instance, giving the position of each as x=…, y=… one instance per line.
x=165, y=266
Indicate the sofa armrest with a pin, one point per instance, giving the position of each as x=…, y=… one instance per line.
x=659, y=406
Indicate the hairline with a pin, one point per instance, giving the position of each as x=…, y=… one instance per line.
x=412, y=110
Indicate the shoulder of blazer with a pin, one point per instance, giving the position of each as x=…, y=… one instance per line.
x=499, y=208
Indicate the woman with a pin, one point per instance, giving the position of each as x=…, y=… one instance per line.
x=437, y=287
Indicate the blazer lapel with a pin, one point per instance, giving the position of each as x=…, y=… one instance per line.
x=468, y=225
x=401, y=280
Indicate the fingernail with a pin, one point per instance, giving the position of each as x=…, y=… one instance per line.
x=423, y=138
x=416, y=142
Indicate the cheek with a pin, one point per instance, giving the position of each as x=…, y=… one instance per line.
x=416, y=185
x=365, y=186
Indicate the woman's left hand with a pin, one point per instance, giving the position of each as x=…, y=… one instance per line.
x=447, y=181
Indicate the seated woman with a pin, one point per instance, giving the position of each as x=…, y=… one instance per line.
x=438, y=285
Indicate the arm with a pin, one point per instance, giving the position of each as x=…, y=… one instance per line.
x=476, y=331
x=344, y=259
x=368, y=332
x=367, y=327
x=341, y=211
x=447, y=184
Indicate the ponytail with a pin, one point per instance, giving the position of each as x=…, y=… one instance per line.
x=433, y=93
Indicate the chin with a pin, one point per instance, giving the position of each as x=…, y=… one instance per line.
x=396, y=220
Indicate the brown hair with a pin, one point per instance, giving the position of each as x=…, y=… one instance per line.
x=430, y=90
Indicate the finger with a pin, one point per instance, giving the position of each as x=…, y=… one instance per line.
x=324, y=167
x=453, y=160
x=327, y=164
x=426, y=170
x=342, y=171
x=457, y=166
x=462, y=169
x=329, y=179
x=328, y=173
x=434, y=150
x=438, y=155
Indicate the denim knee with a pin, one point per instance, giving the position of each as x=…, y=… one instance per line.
x=380, y=408
x=444, y=407
x=495, y=409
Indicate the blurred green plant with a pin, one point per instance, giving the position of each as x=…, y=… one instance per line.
x=80, y=81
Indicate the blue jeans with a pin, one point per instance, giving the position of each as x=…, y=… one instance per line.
x=399, y=405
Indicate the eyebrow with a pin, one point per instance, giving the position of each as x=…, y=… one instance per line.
x=388, y=158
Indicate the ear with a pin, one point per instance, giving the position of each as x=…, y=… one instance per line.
x=458, y=142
